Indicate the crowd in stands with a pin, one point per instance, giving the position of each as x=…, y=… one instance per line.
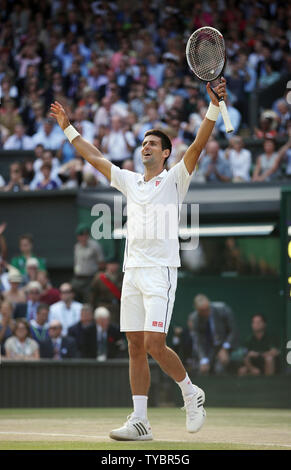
x=80, y=318
x=119, y=69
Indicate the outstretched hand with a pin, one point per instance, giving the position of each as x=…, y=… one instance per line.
x=220, y=90
x=58, y=112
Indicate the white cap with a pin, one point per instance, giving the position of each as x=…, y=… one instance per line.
x=33, y=285
x=14, y=276
x=101, y=312
x=32, y=262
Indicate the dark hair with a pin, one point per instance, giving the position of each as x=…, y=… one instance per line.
x=26, y=236
x=259, y=315
x=165, y=140
x=42, y=307
x=25, y=323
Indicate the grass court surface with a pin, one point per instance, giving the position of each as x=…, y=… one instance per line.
x=88, y=429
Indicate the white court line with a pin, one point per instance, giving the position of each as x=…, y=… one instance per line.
x=155, y=440
x=51, y=435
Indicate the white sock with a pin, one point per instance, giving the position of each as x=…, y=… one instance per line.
x=140, y=403
x=187, y=387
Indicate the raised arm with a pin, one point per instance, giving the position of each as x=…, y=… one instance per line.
x=83, y=147
x=192, y=154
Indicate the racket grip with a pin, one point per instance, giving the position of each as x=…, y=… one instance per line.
x=225, y=116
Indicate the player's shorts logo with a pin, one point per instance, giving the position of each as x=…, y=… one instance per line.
x=158, y=324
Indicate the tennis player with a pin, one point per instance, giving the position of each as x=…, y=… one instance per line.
x=150, y=263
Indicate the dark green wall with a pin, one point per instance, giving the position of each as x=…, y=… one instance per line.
x=245, y=295
x=50, y=218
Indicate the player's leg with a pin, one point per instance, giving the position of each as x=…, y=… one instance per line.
x=132, y=317
x=169, y=361
x=139, y=373
x=159, y=286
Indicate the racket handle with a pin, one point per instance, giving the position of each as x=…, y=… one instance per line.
x=225, y=116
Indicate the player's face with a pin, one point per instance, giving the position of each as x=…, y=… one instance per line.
x=152, y=152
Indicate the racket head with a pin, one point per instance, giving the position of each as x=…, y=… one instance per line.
x=205, y=53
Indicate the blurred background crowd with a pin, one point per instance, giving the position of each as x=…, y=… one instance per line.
x=120, y=69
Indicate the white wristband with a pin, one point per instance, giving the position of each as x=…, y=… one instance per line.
x=212, y=112
x=71, y=133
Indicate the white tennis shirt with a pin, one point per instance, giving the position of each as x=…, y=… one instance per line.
x=153, y=212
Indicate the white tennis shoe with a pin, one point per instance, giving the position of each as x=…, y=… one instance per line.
x=195, y=413
x=135, y=429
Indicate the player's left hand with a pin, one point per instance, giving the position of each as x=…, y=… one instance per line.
x=220, y=91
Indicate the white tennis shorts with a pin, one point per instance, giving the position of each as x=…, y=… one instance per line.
x=147, y=298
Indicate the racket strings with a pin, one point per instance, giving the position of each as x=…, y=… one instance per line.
x=206, y=53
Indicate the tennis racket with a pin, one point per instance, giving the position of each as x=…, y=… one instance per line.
x=206, y=57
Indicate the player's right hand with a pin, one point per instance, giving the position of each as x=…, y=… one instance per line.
x=58, y=112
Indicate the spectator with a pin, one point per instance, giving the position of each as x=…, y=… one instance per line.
x=3, y=256
x=155, y=69
x=88, y=259
x=9, y=115
x=267, y=166
x=67, y=310
x=110, y=342
x=39, y=326
x=119, y=143
x=88, y=128
x=151, y=121
x=26, y=57
x=16, y=182
x=26, y=250
x=20, y=346
x=214, y=326
x=48, y=135
x=267, y=125
x=28, y=309
x=214, y=167
x=103, y=114
x=271, y=75
x=7, y=324
x=57, y=346
x=283, y=111
x=19, y=140
x=7, y=89
x=262, y=352
x=47, y=182
x=28, y=171
x=50, y=295
x=235, y=118
x=84, y=333
x=106, y=289
x=15, y=294
x=284, y=153
x=186, y=345
x=240, y=160
x=47, y=157
x=71, y=173
x=32, y=269
x=4, y=134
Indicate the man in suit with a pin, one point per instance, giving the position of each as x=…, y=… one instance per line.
x=84, y=333
x=28, y=310
x=109, y=341
x=57, y=346
x=215, y=331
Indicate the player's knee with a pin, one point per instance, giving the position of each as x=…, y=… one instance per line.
x=135, y=346
x=154, y=348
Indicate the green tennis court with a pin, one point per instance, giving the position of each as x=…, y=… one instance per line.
x=87, y=429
